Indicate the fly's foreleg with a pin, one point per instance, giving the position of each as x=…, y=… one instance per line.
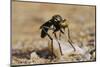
x=69, y=39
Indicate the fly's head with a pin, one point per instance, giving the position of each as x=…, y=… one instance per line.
x=64, y=24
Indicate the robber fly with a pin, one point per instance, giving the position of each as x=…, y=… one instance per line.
x=56, y=23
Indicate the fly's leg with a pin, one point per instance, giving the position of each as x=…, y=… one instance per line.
x=58, y=43
x=69, y=39
x=52, y=56
x=69, y=35
x=72, y=45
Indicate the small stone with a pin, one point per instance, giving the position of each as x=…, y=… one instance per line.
x=67, y=49
x=34, y=55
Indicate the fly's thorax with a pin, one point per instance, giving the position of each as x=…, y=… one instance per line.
x=57, y=18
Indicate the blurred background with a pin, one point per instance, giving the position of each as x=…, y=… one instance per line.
x=27, y=17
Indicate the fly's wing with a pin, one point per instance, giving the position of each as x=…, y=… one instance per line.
x=45, y=27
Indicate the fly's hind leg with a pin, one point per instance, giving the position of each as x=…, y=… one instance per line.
x=52, y=56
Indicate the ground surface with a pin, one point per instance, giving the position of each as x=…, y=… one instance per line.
x=27, y=17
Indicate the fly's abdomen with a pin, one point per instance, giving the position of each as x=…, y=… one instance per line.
x=44, y=32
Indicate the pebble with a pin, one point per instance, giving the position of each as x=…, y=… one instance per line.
x=67, y=50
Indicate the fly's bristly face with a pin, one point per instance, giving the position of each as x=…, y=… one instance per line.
x=64, y=24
